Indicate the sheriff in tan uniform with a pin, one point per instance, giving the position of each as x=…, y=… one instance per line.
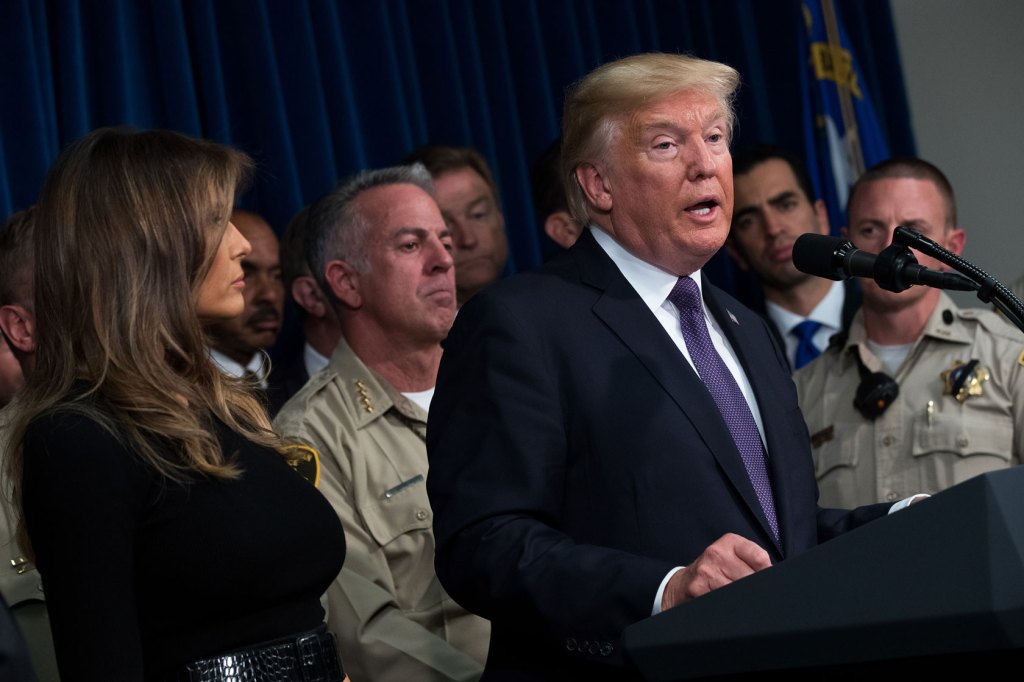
x=379, y=245
x=21, y=586
x=393, y=618
x=959, y=412
x=958, y=408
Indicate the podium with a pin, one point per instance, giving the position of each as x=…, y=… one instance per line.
x=936, y=587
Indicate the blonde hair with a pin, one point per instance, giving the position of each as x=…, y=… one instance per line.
x=595, y=106
x=127, y=226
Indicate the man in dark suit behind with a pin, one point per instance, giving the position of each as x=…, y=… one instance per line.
x=773, y=207
x=582, y=475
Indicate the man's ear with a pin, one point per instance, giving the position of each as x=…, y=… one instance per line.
x=956, y=238
x=309, y=297
x=343, y=279
x=822, y=213
x=19, y=326
x=562, y=228
x=595, y=187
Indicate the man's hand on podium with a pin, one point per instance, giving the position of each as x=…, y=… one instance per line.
x=728, y=559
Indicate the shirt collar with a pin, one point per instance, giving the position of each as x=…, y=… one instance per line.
x=313, y=360
x=828, y=312
x=936, y=327
x=236, y=369
x=651, y=283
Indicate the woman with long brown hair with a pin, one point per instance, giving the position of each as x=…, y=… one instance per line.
x=170, y=531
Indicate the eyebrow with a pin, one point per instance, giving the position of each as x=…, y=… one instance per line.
x=716, y=118
x=782, y=197
x=776, y=200
x=483, y=198
x=419, y=232
x=746, y=210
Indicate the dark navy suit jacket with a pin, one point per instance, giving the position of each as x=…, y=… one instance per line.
x=576, y=457
x=285, y=381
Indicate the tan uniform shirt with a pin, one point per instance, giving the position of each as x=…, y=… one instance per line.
x=927, y=440
x=393, y=619
x=21, y=585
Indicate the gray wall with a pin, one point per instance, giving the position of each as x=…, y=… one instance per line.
x=964, y=67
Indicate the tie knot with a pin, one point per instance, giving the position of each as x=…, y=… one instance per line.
x=685, y=295
x=806, y=330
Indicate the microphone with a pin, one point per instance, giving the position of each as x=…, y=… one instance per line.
x=895, y=269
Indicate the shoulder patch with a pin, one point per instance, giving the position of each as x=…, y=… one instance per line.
x=306, y=462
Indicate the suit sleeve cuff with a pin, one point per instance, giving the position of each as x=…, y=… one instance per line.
x=903, y=504
x=661, y=590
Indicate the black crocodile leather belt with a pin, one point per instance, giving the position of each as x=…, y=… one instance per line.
x=309, y=657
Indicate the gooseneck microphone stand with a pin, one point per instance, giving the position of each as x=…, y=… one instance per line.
x=988, y=288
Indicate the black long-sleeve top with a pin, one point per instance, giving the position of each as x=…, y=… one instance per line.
x=143, y=575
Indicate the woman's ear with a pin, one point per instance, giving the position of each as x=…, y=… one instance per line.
x=19, y=326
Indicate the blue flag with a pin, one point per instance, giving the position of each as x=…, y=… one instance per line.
x=841, y=133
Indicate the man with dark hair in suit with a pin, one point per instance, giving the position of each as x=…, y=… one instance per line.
x=239, y=345
x=612, y=435
x=773, y=207
x=549, y=198
x=320, y=327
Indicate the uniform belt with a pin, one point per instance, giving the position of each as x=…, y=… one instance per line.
x=307, y=657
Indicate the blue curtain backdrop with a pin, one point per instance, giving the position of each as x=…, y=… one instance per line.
x=317, y=89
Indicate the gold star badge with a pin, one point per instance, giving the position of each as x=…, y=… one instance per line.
x=963, y=381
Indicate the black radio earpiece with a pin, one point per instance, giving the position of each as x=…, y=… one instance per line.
x=876, y=391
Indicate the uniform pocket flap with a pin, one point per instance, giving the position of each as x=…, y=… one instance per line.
x=401, y=508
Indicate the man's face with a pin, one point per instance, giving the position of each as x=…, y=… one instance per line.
x=480, y=247
x=771, y=212
x=258, y=325
x=878, y=207
x=409, y=289
x=664, y=189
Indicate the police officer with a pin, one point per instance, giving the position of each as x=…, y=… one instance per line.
x=379, y=245
x=918, y=395
x=20, y=585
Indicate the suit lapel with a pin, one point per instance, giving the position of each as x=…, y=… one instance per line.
x=626, y=315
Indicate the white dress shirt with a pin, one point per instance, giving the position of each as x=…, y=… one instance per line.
x=312, y=359
x=258, y=365
x=828, y=312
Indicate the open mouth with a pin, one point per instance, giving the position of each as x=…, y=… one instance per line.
x=702, y=208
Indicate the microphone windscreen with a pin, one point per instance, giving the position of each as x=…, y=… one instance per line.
x=819, y=255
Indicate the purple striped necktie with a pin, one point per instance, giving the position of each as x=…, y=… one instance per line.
x=720, y=382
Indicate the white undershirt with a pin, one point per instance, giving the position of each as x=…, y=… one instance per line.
x=421, y=398
x=891, y=357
